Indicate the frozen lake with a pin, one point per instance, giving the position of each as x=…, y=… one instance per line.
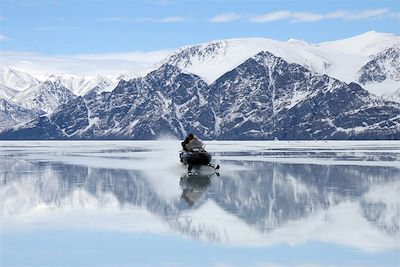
x=130, y=203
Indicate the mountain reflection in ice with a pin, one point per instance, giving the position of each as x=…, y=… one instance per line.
x=268, y=192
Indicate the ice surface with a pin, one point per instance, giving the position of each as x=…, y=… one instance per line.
x=270, y=196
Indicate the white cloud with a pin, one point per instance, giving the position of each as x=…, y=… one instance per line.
x=45, y=28
x=291, y=16
x=314, y=17
x=394, y=15
x=172, y=19
x=168, y=19
x=3, y=38
x=226, y=17
x=307, y=17
x=125, y=19
x=108, y=64
x=373, y=13
x=278, y=15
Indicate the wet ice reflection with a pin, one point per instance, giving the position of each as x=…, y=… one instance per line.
x=268, y=193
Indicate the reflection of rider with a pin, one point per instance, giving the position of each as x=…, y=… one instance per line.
x=193, y=187
x=190, y=142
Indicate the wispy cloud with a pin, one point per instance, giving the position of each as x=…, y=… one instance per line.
x=164, y=2
x=173, y=19
x=88, y=64
x=291, y=16
x=226, y=17
x=395, y=15
x=49, y=28
x=373, y=13
x=294, y=17
x=314, y=17
x=45, y=28
x=272, y=16
x=168, y=19
x=125, y=19
x=3, y=38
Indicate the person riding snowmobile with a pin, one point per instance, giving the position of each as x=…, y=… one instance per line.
x=193, y=153
x=191, y=142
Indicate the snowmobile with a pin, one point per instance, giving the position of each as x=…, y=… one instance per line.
x=196, y=157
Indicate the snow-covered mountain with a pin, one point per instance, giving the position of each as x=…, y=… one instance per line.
x=6, y=92
x=16, y=80
x=340, y=59
x=381, y=74
x=81, y=85
x=45, y=96
x=235, y=89
x=12, y=114
x=395, y=96
x=211, y=60
x=265, y=97
x=383, y=66
x=12, y=80
x=28, y=97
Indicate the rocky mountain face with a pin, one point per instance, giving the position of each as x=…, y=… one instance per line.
x=24, y=92
x=12, y=114
x=381, y=75
x=252, y=88
x=385, y=65
x=81, y=85
x=44, y=96
x=17, y=81
x=265, y=97
x=7, y=92
x=395, y=96
x=212, y=60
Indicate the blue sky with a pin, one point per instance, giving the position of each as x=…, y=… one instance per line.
x=72, y=27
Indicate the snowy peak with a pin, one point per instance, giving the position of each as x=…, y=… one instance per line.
x=340, y=59
x=381, y=74
x=383, y=66
x=297, y=42
x=6, y=92
x=12, y=114
x=81, y=85
x=366, y=44
x=166, y=73
x=263, y=98
x=16, y=80
x=187, y=55
x=232, y=89
x=211, y=60
x=394, y=96
x=11, y=79
x=45, y=96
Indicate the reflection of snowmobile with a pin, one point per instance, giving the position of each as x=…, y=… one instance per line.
x=194, y=186
x=196, y=157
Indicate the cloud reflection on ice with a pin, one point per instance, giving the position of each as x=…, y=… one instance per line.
x=136, y=187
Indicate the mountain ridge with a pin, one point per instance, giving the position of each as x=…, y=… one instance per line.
x=253, y=101
x=246, y=97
